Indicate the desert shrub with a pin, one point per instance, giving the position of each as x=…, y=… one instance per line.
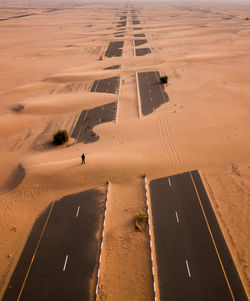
x=141, y=220
x=60, y=137
x=164, y=79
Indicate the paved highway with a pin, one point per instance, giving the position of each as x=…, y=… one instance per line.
x=193, y=260
x=114, y=49
x=107, y=85
x=88, y=119
x=140, y=51
x=61, y=254
x=135, y=22
x=60, y=257
x=83, y=131
x=140, y=42
x=152, y=93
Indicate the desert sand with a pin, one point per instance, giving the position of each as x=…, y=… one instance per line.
x=48, y=61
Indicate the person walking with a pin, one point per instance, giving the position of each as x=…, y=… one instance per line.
x=83, y=158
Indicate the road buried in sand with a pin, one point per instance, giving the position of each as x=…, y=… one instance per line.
x=89, y=118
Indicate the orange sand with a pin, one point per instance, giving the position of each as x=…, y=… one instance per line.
x=48, y=62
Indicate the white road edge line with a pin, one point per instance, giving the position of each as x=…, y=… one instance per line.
x=118, y=98
x=137, y=86
x=189, y=274
x=177, y=217
x=65, y=262
x=78, y=209
x=169, y=181
x=103, y=228
x=138, y=95
x=150, y=240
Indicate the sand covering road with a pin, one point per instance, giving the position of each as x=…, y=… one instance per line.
x=48, y=61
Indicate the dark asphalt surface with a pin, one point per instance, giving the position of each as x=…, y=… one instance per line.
x=152, y=92
x=88, y=119
x=188, y=265
x=135, y=22
x=142, y=51
x=83, y=131
x=113, y=67
x=139, y=35
x=70, y=233
x=121, y=24
x=118, y=32
x=18, y=17
x=107, y=85
x=140, y=42
x=114, y=49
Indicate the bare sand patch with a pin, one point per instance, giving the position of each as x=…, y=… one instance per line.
x=207, y=119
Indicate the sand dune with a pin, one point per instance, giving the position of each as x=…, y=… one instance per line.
x=49, y=62
x=82, y=76
x=63, y=103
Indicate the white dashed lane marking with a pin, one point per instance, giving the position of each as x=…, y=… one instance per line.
x=177, y=217
x=65, y=262
x=189, y=274
x=78, y=209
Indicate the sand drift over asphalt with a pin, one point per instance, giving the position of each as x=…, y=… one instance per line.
x=82, y=76
x=49, y=62
x=63, y=103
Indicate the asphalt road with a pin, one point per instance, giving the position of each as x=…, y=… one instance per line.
x=142, y=51
x=139, y=35
x=114, y=49
x=140, y=42
x=135, y=22
x=88, y=119
x=193, y=260
x=61, y=255
x=107, y=85
x=121, y=24
x=152, y=93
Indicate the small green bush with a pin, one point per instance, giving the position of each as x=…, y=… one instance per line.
x=164, y=79
x=60, y=137
x=141, y=220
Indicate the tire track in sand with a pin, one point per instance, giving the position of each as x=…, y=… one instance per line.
x=172, y=143
x=167, y=143
x=164, y=145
